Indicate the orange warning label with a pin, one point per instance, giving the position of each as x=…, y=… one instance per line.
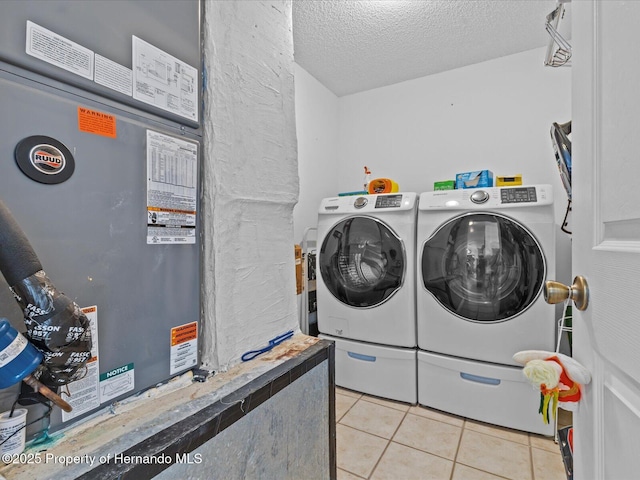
x=184, y=333
x=99, y=123
x=170, y=210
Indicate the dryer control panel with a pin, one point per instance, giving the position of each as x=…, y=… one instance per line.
x=389, y=201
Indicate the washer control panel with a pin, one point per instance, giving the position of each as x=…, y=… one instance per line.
x=518, y=195
x=491, y=197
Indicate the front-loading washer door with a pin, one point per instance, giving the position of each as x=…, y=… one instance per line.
x=483, y=267
x=362, y=262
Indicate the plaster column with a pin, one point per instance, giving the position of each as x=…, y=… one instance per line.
x=250, y=178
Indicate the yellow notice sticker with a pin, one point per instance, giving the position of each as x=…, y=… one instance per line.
x=98, y=123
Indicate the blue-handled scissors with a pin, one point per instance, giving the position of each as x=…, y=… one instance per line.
x=251, y=354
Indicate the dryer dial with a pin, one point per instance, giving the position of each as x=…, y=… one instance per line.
x=479, y=196
x=360, y=202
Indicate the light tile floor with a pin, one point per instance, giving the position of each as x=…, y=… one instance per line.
x=380, y=439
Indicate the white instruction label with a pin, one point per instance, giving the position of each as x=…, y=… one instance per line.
x=59, y=51
x=172, y=189
x=184, y=347
x=113, y=75
x=116, y=382
x=84, y=394
x=11, y=351
x=164, y=81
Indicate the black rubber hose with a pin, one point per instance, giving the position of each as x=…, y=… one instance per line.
x=55, y=325
x=18, y=260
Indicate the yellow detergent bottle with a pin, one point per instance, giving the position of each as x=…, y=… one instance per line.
x=382, y=185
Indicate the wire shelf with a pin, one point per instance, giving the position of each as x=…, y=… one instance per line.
x=559, y=49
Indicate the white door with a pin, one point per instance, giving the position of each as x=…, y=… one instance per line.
x=606, y=234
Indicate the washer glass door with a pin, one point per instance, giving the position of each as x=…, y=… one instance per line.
x=362, y=262
x=483, y=267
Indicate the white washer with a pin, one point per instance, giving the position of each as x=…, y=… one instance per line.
x=366, y=291
x=483, y=256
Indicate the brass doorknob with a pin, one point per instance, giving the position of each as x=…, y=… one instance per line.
x=555, y=292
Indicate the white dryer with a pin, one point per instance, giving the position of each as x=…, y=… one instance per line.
x=366, y=268
x=366, y=291
x=483, y=257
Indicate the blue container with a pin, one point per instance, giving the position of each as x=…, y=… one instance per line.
x=18, y=358
x=481, y=178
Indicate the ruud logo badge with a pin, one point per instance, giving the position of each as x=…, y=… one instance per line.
x=47, y=159
x=44, y=159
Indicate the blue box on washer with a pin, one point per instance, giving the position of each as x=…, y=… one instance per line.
x=481, y=178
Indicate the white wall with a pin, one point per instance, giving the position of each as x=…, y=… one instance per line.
x=494, y=115
x=317, y=130
x=250, y=179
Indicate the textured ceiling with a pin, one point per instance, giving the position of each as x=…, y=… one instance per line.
x=352, y=46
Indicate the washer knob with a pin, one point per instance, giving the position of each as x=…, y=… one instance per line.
x=360, y=202
x=479, y=196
